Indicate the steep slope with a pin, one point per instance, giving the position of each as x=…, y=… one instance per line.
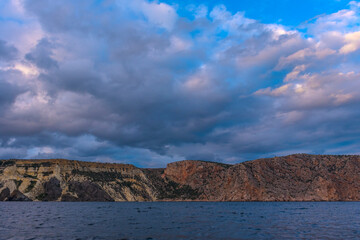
x=64, y=180
x=298, y=177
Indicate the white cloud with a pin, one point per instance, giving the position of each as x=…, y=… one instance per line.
x=160, y=14
x=229, y=22
x=274, y=92
x=352, y=41
x=294, y=74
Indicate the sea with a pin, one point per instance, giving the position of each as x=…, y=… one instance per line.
x=179, y=220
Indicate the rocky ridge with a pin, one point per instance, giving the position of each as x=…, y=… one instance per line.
x=299, y=177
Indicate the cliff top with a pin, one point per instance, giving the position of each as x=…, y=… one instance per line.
x=201, y=162
x=292, y=157
x=65, y=162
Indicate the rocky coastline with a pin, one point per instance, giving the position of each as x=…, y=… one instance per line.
x=298, y=177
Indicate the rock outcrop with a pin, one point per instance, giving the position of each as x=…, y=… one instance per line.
x=65, y=180
x=299, y=177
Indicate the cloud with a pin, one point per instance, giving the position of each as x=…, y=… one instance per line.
x=41, y=55
x=139, y=82
x=159, y=13
x=7, y=52
x=352, y=43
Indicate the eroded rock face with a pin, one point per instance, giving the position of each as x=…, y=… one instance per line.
x=4, y=194
x=16, y=195
x=87, y=191
x=199, y=175
x=166, y=189
x=195, y=173
x=65, y=180
x=52, y=190
x=299, y=177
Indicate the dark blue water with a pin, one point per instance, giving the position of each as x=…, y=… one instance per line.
x=179, y=220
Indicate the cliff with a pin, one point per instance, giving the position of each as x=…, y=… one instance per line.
x=299, y=177
x=66, y=180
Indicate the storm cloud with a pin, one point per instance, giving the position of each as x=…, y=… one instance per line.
x=137, y=82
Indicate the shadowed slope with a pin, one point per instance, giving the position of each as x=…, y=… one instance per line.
x=299, y=177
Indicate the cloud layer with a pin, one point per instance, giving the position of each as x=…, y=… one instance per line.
x=137, y=82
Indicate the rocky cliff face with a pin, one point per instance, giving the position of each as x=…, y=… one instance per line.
x=64, y=180
x=298, y=177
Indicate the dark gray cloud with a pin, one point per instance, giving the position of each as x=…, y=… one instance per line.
x=8, y=89
x=8, y=92
x=41, y=55
x=133, y=81
x=7, y=51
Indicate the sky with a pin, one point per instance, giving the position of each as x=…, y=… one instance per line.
x=152, y=82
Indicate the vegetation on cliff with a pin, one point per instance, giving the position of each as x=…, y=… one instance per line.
x=299, y=177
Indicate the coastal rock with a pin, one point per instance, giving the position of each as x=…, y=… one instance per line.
x=52, y=190
x=66, y=180
x=16, y=195
x=4, y=194
x=87, y=191
x=164, y=188
x=298, y=177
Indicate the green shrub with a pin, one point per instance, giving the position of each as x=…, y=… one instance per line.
x=41, y=196
x=45, y=174
x=31, y=186
x=30, y=176
x=18, y=183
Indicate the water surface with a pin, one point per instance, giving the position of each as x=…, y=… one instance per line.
x=180, y=220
